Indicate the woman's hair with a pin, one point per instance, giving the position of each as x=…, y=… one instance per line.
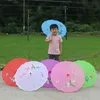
x=53, y=26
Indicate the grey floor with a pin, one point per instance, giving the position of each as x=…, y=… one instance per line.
x=14, y=93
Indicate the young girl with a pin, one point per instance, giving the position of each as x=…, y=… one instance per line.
x=55, y=43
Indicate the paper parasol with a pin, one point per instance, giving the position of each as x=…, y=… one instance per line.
x=31, y=76
x=10, y=70
x=89, y=71
x=67, y=77
x=46, y=27
x=49, y=64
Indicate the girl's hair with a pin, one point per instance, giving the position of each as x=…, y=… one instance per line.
x=53, y=26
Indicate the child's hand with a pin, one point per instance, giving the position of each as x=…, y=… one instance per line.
x=60, y=54
x=51, y=37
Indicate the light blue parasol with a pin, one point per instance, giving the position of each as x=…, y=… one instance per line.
x=46, y=27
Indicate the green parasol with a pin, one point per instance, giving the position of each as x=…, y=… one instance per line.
x=89, y=71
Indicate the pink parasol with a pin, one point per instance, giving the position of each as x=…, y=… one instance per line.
x=67, y=77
